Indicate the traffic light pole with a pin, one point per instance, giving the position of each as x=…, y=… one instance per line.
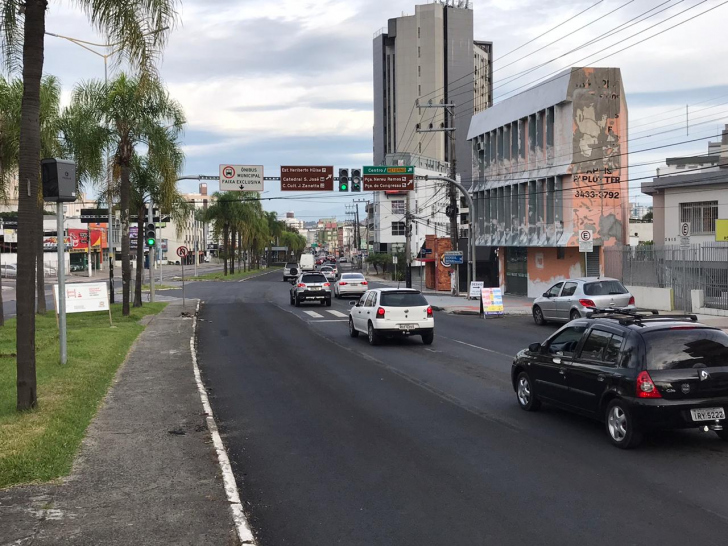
x=150, y=220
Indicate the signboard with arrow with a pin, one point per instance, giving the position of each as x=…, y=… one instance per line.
x=241, y=177
x=307, y=178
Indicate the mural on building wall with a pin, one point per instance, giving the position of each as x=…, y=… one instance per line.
x=596, y=195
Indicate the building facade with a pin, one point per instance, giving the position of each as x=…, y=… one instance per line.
x=548, y=163
x=195, y=235
x=691, y=189
x=429, y=56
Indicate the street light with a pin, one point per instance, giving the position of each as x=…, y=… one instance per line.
x=111, y=50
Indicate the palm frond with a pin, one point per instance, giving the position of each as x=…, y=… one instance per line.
x=11, y=35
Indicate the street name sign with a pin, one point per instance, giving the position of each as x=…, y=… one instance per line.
x=388, y=178
x=307, y=178
x=453, y=257
x=586, y=240
x=241, y=177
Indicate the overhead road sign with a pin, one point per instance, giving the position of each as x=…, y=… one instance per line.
x=389, y=178
x=307, y=178
x=101, y=216
x=586, y=240
x=241, y=177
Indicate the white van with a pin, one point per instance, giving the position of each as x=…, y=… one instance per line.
x=307, y=262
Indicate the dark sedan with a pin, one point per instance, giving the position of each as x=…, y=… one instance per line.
x=632, y=371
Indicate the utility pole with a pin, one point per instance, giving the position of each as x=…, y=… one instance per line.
x=408, y=243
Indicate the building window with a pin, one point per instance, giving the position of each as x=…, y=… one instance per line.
x=418, y=32
x=550, y=115
x=419, y=70
x=398, y=207
x=700, y=215
x=398, y=228
x=419, y=52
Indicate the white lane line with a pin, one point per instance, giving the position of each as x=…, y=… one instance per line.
x=313, y=314
x=245, y=535
x=329, y=320
x=338, y=314
x=480, y=348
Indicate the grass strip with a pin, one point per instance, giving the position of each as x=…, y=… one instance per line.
x=39, y=445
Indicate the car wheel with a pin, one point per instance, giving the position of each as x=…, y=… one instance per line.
x=373, y=335
x=353, y=332
x=297, y=301
x=538, y=316
x=290, y=297
x=328, y=302
x=722, y=434
x=428, y=338
x=527, y=399
x=574, y=315
x=621, y=428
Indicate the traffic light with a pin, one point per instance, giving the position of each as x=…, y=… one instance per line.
x=150, y=233
x=355, y=179
x=343, y=179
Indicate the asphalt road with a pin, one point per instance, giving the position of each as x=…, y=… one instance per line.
x=336, y=442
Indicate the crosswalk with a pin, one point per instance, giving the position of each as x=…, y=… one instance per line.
x=314, y=314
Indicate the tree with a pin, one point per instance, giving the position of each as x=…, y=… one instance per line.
x=137, y=112
x=647, y=217
x=22, y=45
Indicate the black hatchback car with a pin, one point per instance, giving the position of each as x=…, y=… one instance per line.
x=632, y=370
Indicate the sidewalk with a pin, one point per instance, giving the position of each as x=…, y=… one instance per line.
x=461, y=305
x=147, y=472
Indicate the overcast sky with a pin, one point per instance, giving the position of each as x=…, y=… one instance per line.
x=289, y=82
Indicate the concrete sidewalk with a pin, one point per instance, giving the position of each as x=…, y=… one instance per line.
x=147, y=472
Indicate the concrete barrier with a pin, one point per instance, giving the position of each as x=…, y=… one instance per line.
x=647, y=297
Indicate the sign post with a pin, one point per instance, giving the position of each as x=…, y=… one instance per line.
x=182, y=252
x=586, y=245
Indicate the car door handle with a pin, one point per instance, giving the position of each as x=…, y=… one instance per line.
x=562, y=371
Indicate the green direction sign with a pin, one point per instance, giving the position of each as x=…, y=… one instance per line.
x=388, y=170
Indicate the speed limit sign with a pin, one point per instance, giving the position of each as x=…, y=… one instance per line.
x=586, y=240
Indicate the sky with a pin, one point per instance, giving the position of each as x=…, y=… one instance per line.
x=289, y=82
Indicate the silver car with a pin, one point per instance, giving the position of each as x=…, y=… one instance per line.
x=311, y=287
x=572, y=299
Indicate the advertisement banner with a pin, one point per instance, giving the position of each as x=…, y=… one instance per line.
x=84, y=297
x=492, y=299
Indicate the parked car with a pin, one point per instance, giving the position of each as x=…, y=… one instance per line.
x=311, y=287
x=573, y=298
x=633, y=371
x=9, y=270
x=350, y=284
x=343, y=260
x=389, y=312
x=290, y=271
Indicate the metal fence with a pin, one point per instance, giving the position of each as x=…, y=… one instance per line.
x=697, y=267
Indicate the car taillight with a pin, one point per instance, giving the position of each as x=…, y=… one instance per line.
x=364, y=283
x=327, y=284
x=429, y=311
x=587, y=303
x=631, y=300
x=342, y=283
x=301, y=285
x=645, y=387
x=380, y=312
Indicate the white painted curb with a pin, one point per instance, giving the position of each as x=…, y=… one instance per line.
x=231, y=489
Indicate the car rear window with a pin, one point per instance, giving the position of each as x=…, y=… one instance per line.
x=690, y=348
x=313, y=278
x=289, y=265
x=402, y=299
x=604, y=288
x=352, y=276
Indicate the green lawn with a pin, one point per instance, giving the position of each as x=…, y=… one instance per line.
x=238, y=275
x=39, y=445
x=145, y=287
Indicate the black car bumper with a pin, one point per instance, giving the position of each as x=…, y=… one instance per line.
x=674, y=414
x=314, y=295
x=405, y=333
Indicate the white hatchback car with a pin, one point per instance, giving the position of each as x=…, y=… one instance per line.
x=391, y=312
x=350, y=284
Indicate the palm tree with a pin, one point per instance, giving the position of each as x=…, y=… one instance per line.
x=23, y=25
x=222, y=214
x=137, y=112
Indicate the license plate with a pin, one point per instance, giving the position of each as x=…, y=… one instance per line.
x=355, y=284
x=407, y=326
x=315, y=288
x=708, y=414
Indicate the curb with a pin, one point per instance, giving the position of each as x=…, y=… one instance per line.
x=245, y=535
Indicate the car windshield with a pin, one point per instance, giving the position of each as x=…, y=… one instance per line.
x=686, y=348
x=604, y=288
x=402, y=299
x=313, y=278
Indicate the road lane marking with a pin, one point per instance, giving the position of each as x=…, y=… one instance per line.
x=245, y=535
x=338, y=314
x=326, y=320
x=477, y=347
x=313, y=314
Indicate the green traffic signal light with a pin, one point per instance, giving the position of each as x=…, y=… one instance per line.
x=343, y=187
x=151, y=242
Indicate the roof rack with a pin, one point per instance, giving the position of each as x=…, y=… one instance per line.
x=636, y=316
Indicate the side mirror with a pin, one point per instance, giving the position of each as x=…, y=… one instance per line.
x=535, y=347
x=546, y=295
x=353, y=303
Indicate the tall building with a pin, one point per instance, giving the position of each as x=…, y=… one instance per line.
x=429, y=56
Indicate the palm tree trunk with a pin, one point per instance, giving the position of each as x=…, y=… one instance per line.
x=28, y=175
x=124, y=198
x=240, y=248
x=2, y=311
x=40, y=267
x=225, y=248
x=140, y=258
x=232, y=250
